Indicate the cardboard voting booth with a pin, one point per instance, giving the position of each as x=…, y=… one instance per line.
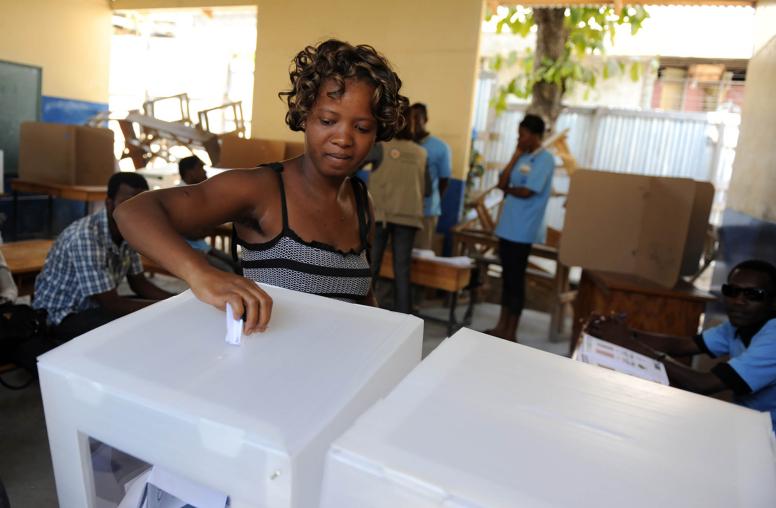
x=252, y=421
x=239, y=152
x=65, y=154
x=649, y=226
x=485, y=423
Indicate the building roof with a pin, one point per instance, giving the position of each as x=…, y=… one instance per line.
x=618, y=4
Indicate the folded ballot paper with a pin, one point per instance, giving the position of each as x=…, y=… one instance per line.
x=159, y=488
x=429, y=255
x=611, y=356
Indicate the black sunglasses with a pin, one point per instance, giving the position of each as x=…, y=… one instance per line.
x=751, y=294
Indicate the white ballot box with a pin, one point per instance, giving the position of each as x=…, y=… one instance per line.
x=252, y=421
x=484, y=423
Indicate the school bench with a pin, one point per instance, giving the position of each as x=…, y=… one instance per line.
x=25, y=260
x=433, y=274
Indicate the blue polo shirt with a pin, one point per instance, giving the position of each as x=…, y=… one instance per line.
x=751, y=370
x=522, y=219
x=439, y=166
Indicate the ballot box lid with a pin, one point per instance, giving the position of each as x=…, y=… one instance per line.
x=483, y=422
x=275, y=390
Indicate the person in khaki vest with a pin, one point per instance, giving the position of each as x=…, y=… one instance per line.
x=397, y=187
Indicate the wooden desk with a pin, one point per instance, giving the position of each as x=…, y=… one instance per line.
x=433, y=274
x=650, y=307
x=25, y=260
x=86, y=193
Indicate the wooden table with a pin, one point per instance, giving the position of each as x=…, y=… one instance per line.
x=433, y=274
x=25, y=260
x=86, y=193
x=650, y=307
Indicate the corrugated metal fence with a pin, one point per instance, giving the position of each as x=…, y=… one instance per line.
x=659, y=143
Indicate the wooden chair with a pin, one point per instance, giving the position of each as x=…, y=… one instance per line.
x=237, y=117
x=475, y=238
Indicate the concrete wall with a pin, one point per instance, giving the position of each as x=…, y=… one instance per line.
x=432, y=45
x=69, y=39
x=753, y=185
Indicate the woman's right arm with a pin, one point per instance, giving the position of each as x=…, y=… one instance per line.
x=155, y=223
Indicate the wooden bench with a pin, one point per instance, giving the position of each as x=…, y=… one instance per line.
x=427, y=272
x=25, y=260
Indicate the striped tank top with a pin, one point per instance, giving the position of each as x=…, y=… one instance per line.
x=290, y=262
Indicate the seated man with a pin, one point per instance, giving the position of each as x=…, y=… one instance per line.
x=748, y=337
x=86, y=264
x=192, y=172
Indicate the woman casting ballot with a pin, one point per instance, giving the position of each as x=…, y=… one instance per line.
x=303, y=224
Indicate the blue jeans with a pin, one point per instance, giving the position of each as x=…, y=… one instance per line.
x=402, y=240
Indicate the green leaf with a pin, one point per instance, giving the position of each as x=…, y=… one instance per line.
x=528, y=64
x=496, y=62
x=635, y=71
x=512, y=87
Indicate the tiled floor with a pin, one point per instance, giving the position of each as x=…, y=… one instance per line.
x=25, y=465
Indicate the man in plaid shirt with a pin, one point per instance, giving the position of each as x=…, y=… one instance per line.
x=87, y=263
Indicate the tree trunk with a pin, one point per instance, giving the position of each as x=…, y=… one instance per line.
x=551, y=35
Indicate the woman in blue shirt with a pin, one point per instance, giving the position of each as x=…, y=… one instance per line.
x=526, y=183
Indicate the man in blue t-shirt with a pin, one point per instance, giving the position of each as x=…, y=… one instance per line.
x=748, y=338
x=526, y=182
x=439, y=169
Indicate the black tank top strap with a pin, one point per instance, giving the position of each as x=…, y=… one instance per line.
x=233, y=247
x=277, y=167
x=362, y=210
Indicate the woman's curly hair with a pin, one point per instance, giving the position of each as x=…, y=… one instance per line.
x=339, y=61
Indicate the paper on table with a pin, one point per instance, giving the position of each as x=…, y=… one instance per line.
x=423, y=253
x=233, y=327
x=462, y=261
x=599, y=352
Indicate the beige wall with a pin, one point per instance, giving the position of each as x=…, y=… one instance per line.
x=175, y=4
x=753, y=186
x=432, y=45
x=69, y=39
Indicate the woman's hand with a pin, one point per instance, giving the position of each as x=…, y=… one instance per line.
x=244, y=296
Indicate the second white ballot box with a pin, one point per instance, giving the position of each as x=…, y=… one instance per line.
x=252, y=421
x=485, y=423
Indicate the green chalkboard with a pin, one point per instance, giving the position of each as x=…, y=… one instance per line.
x=19, y=102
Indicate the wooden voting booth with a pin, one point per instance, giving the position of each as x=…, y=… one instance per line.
x=635, y=237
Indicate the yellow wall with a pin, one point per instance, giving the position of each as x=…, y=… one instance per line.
x=432, y=44
x=175, y=4
x=753, y=186
x=69, y=39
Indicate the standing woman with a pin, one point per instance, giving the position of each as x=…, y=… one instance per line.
x=526, y=182
x=303, y=224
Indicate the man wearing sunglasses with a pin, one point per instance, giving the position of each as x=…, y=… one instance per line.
x=748, y=337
